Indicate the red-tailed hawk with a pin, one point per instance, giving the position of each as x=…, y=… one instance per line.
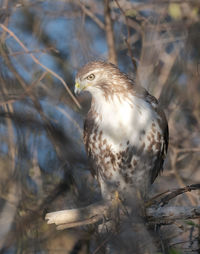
x=125, y=132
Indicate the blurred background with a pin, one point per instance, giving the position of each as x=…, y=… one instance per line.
x=43, y=165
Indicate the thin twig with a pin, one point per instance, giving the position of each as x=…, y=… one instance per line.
x=179, y=178
x=17, y=53
x=90, y=14
x=102, y=244
x=26, y=92
x=177, y=192
x=128, y=37
x=38, y=62
x=188, y=150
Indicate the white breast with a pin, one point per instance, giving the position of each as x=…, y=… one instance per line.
x=126, y=120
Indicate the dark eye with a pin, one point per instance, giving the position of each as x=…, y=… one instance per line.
x=90, y=77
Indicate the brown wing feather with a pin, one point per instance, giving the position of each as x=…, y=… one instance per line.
x=89, y=129
x=162, y=154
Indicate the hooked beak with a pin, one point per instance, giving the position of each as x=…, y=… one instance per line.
x=77, y=88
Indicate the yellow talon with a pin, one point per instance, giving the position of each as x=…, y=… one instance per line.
x=116, y=195
x=116, y=200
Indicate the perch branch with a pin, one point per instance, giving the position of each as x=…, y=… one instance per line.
x=97, y=211
x=78, y=217
x=169, y=214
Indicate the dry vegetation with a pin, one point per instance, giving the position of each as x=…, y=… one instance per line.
x=43, y=166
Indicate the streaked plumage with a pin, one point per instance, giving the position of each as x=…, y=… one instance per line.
x=125, y=132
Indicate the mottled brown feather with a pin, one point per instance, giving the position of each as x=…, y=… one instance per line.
x=99, y=151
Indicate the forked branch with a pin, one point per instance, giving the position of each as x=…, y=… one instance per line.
x=78, y=217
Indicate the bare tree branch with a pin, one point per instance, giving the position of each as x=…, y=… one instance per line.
x=167, y=215
x=42, y=65
x=128, y=37
x=79, y=217
x=97, y=211
x=112, y=56
x=26, y=92
x=173, y=193
x=90, y=14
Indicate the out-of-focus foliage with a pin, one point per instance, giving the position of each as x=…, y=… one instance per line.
x=43, y=165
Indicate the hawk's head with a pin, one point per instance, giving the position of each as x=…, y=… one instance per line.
x=99, y=75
